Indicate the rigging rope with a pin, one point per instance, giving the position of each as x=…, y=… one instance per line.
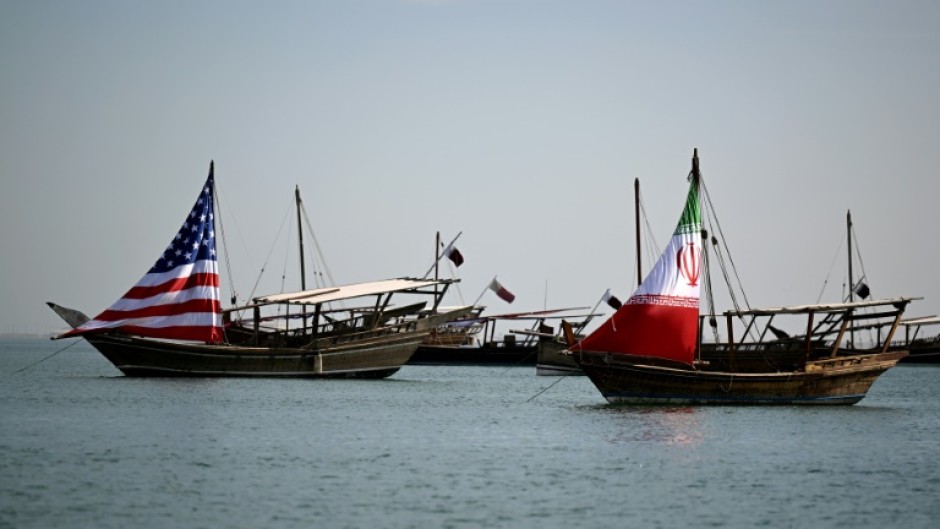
x=724, y=240
x=709, y=294
x=721, y=263
x=453, y=274
x=267, y=258
x=287, y=247
x=858, y=252
x=316, y=243
x=835, y=257
x=46, y=358
x=550, y=386
x=715, y=227
x=652, y=249
x=228, y=262
x=318, y=276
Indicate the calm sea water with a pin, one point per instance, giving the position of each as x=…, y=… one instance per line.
x=445, y=447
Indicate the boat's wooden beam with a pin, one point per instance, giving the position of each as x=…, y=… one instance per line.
x=380, y=311
x=834, y=307
x=527, y=332
x=287, y=321
x=317, y=309
x=747, y=330
x=763, y=333
x=894, y=327
x=439, y=296
x=730, y=321
x=244, y=307
x=838, y=341
x=257, y=322
x=809, y=338
x=568, y=333
x=873, y=315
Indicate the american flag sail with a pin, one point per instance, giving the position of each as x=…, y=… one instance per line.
x=179, y=297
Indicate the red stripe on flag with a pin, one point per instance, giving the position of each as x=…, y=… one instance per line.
x=174, y=285
x=194, y=305
x=506, y=295
x=648, y=330
x=501, y=291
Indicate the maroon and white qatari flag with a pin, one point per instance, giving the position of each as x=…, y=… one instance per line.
x=612, y=300
x=501, y=291
x=452, y=253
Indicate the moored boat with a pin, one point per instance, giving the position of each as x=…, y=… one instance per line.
x=650, y=351
x=472, y=340
x=553, y=360
x=923, y=347
x=171, y=322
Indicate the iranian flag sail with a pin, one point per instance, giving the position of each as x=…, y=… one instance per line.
x=661, y=317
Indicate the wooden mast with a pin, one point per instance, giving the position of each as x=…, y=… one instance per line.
x=303, y=275
x=437, y=253
x=699, y=320
x=300, y=238
x=636, y=207
x=848, y=231
x=437, y=259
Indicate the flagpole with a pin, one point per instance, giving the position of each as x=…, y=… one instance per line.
x=453, y=273
x=487, y=287
x=545, y=302
x=438, y=257
x=598, y=304
x=587, y=320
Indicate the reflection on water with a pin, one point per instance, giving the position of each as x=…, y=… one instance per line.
x=678, y=425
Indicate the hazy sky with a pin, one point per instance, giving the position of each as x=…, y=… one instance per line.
x=520, y=123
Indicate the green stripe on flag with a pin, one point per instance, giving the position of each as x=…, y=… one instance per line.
x=691, y=220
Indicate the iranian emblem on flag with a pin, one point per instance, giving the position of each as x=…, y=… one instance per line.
x=689, y=261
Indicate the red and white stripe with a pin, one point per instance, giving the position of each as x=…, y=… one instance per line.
x=180, y=304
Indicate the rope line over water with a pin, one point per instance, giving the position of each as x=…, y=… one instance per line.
x=46, y=358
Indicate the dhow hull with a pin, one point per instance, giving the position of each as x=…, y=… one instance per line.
x=554, y=361
x=377, y=358
x=841, y=380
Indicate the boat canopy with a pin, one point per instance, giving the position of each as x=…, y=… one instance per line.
x=823, y=307
x=355, y=290
x=533, y=315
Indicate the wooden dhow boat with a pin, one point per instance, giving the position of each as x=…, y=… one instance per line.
x=473, y=340
x=915, y=337
x=650, y=351
x=924, y=348
x=554, y=360
x=171, y=322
